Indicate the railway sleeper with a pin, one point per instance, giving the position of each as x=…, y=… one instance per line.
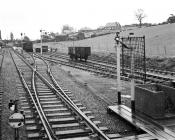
x=43, y=91
x=49, y=95
x=54, y=102
x=35, y=136
x=73, y=133
x=32, y=128
x=46, y=94
x=65, y=120
x=50, y=99
x=76, y=130
x=59, y=114
x=69, y=126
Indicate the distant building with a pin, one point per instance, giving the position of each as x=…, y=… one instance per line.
x=77, y=36
x=67, y=32
x=88, y=34
x=85, y=29
x=113, y=26
x=61, y=37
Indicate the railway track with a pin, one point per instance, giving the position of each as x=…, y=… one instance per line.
x=143, y=136
x=52, y=113
x=109, y=70
x=1, y=89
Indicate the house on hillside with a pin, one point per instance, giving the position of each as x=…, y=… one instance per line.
x=77, y=36
x=61, y=37
x=88, y=34
x=112, y=26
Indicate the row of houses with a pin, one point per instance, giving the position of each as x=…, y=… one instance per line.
x=85, y=33
x=88, y=33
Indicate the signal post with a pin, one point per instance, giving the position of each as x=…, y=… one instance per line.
x=118, y=50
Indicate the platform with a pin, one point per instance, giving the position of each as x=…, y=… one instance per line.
x=152, y=127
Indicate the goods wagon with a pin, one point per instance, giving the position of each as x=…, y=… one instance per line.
x=45, y=48
x=28, y=46
x=79, y=52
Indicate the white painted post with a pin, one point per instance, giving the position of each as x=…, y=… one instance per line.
x=132, y=79
x=41, y=42
x=118, y=50
x=132, y=82
x=22, y=42
x=118, y=73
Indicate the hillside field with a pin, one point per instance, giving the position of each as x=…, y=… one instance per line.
x=160, y=41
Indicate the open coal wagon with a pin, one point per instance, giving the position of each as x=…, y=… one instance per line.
x=79, y=52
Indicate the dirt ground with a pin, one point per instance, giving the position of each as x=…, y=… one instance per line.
x=9, y=76
x=96, y=93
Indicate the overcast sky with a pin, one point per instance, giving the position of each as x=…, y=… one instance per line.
x=29, y=16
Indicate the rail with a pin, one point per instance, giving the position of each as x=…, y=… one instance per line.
x=69, y=102
x=41, y=115
x=38, y=102
x=157, y=78
x=2, y=60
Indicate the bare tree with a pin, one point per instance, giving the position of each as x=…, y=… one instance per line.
x=140, y=15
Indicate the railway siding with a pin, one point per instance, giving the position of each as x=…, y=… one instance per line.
x=54, y=111
x=62, y=119
x=10, y=79
x=1, y=94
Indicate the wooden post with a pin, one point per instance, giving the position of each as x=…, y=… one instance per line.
x=118, y=74
x=41, y=31
x=132, y=78
x=118, y=50
x=16, y=129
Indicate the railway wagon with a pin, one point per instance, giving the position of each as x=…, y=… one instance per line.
x=79, y=52
x=45, y=48
x=28, y=46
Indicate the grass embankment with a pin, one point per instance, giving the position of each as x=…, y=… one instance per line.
x=160, y=41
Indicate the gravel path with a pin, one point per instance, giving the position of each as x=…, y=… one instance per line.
x=96, y=93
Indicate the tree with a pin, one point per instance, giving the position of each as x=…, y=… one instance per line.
x=26, y=38
x=171, y=19
x=52, y=35
x=140, y=16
